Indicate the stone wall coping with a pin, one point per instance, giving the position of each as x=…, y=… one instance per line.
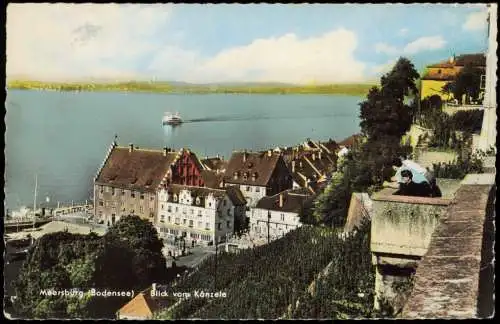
x=387, y=194
x=479, y=179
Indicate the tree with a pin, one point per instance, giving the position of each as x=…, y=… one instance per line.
x=400, y=81
x=140, y=238
x=139, y=233
x=467, y=82
x=384, y=112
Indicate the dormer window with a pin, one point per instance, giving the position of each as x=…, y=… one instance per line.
x=245, y=176
x=235, y=175
x=198, y=201
x=254, y=176
x=175, y=197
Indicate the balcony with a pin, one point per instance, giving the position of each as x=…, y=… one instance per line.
x=452, y=108
x=403, y=225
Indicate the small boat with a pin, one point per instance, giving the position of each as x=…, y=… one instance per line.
x=172, y=119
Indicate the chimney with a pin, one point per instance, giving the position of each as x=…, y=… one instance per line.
x=153, y=287
x=244, y=156
x=281, y=200
x=319, y=155
x=307, y=183
x=269, y=153
x=314, y=157
x=293, y=166
x=131, y=147
x=300, y=164
x=165, y=151
x=217, y=155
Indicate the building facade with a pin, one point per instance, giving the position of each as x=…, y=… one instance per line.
x=278, y=214
x=199, y=214
x=257, y=175
x=439, y=74
x=127, y=182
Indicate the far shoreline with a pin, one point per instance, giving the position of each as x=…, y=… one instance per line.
x=359, y=89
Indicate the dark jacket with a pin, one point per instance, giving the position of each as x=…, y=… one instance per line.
x=422, y=189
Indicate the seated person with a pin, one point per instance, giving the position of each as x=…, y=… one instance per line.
x=409, y=188
x=435, y=191
x=420, y=174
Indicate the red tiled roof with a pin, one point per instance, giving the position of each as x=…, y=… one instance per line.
x=477, y=59
x=137, y=169
x=259, y=164
x=293, y=200
x=349, y=141
x=211, y=178
x=214, y=163
x=143, y=305
x=202, y=192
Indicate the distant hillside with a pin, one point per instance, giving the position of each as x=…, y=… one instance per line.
x=184, y=87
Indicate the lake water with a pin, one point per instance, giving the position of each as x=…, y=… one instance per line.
x=63, y=136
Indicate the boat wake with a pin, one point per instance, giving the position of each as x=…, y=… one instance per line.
x=252, y=118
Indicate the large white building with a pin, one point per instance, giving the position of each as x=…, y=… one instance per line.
x=279, y=213
x=199, y=214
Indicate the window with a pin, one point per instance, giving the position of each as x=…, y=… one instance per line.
x=184, y=210
x=209, y=204
x=184, y=221
x=219, y=226
x=175, y=197
x=190, y=223
x=162, y=218
x=192, y=212
x=207, y=226
x=162, y=207
x=177, y=221
x=198, y=201
x=142, y=196
x=151, y=215
x=169, y=219
x=249, y=189
x=123, y=192
x=152, y=198
x=224, y=202
x=228, y=224
x=257, y=189
x=140, y=209
x=132, y=194
x=169, y=208
x=199, y=213
x=199, y=225
x=176, y=209
x=113, y=191
x=101, y=189
x=282, y=217
x=229, y=212
x=101, y=203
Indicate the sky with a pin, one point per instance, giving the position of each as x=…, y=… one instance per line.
x=209, y=43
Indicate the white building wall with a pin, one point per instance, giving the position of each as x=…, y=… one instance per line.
x=252, y=194
x=280, y=222
x=201, y=223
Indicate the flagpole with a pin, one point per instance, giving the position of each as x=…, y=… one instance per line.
x=34, y=201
